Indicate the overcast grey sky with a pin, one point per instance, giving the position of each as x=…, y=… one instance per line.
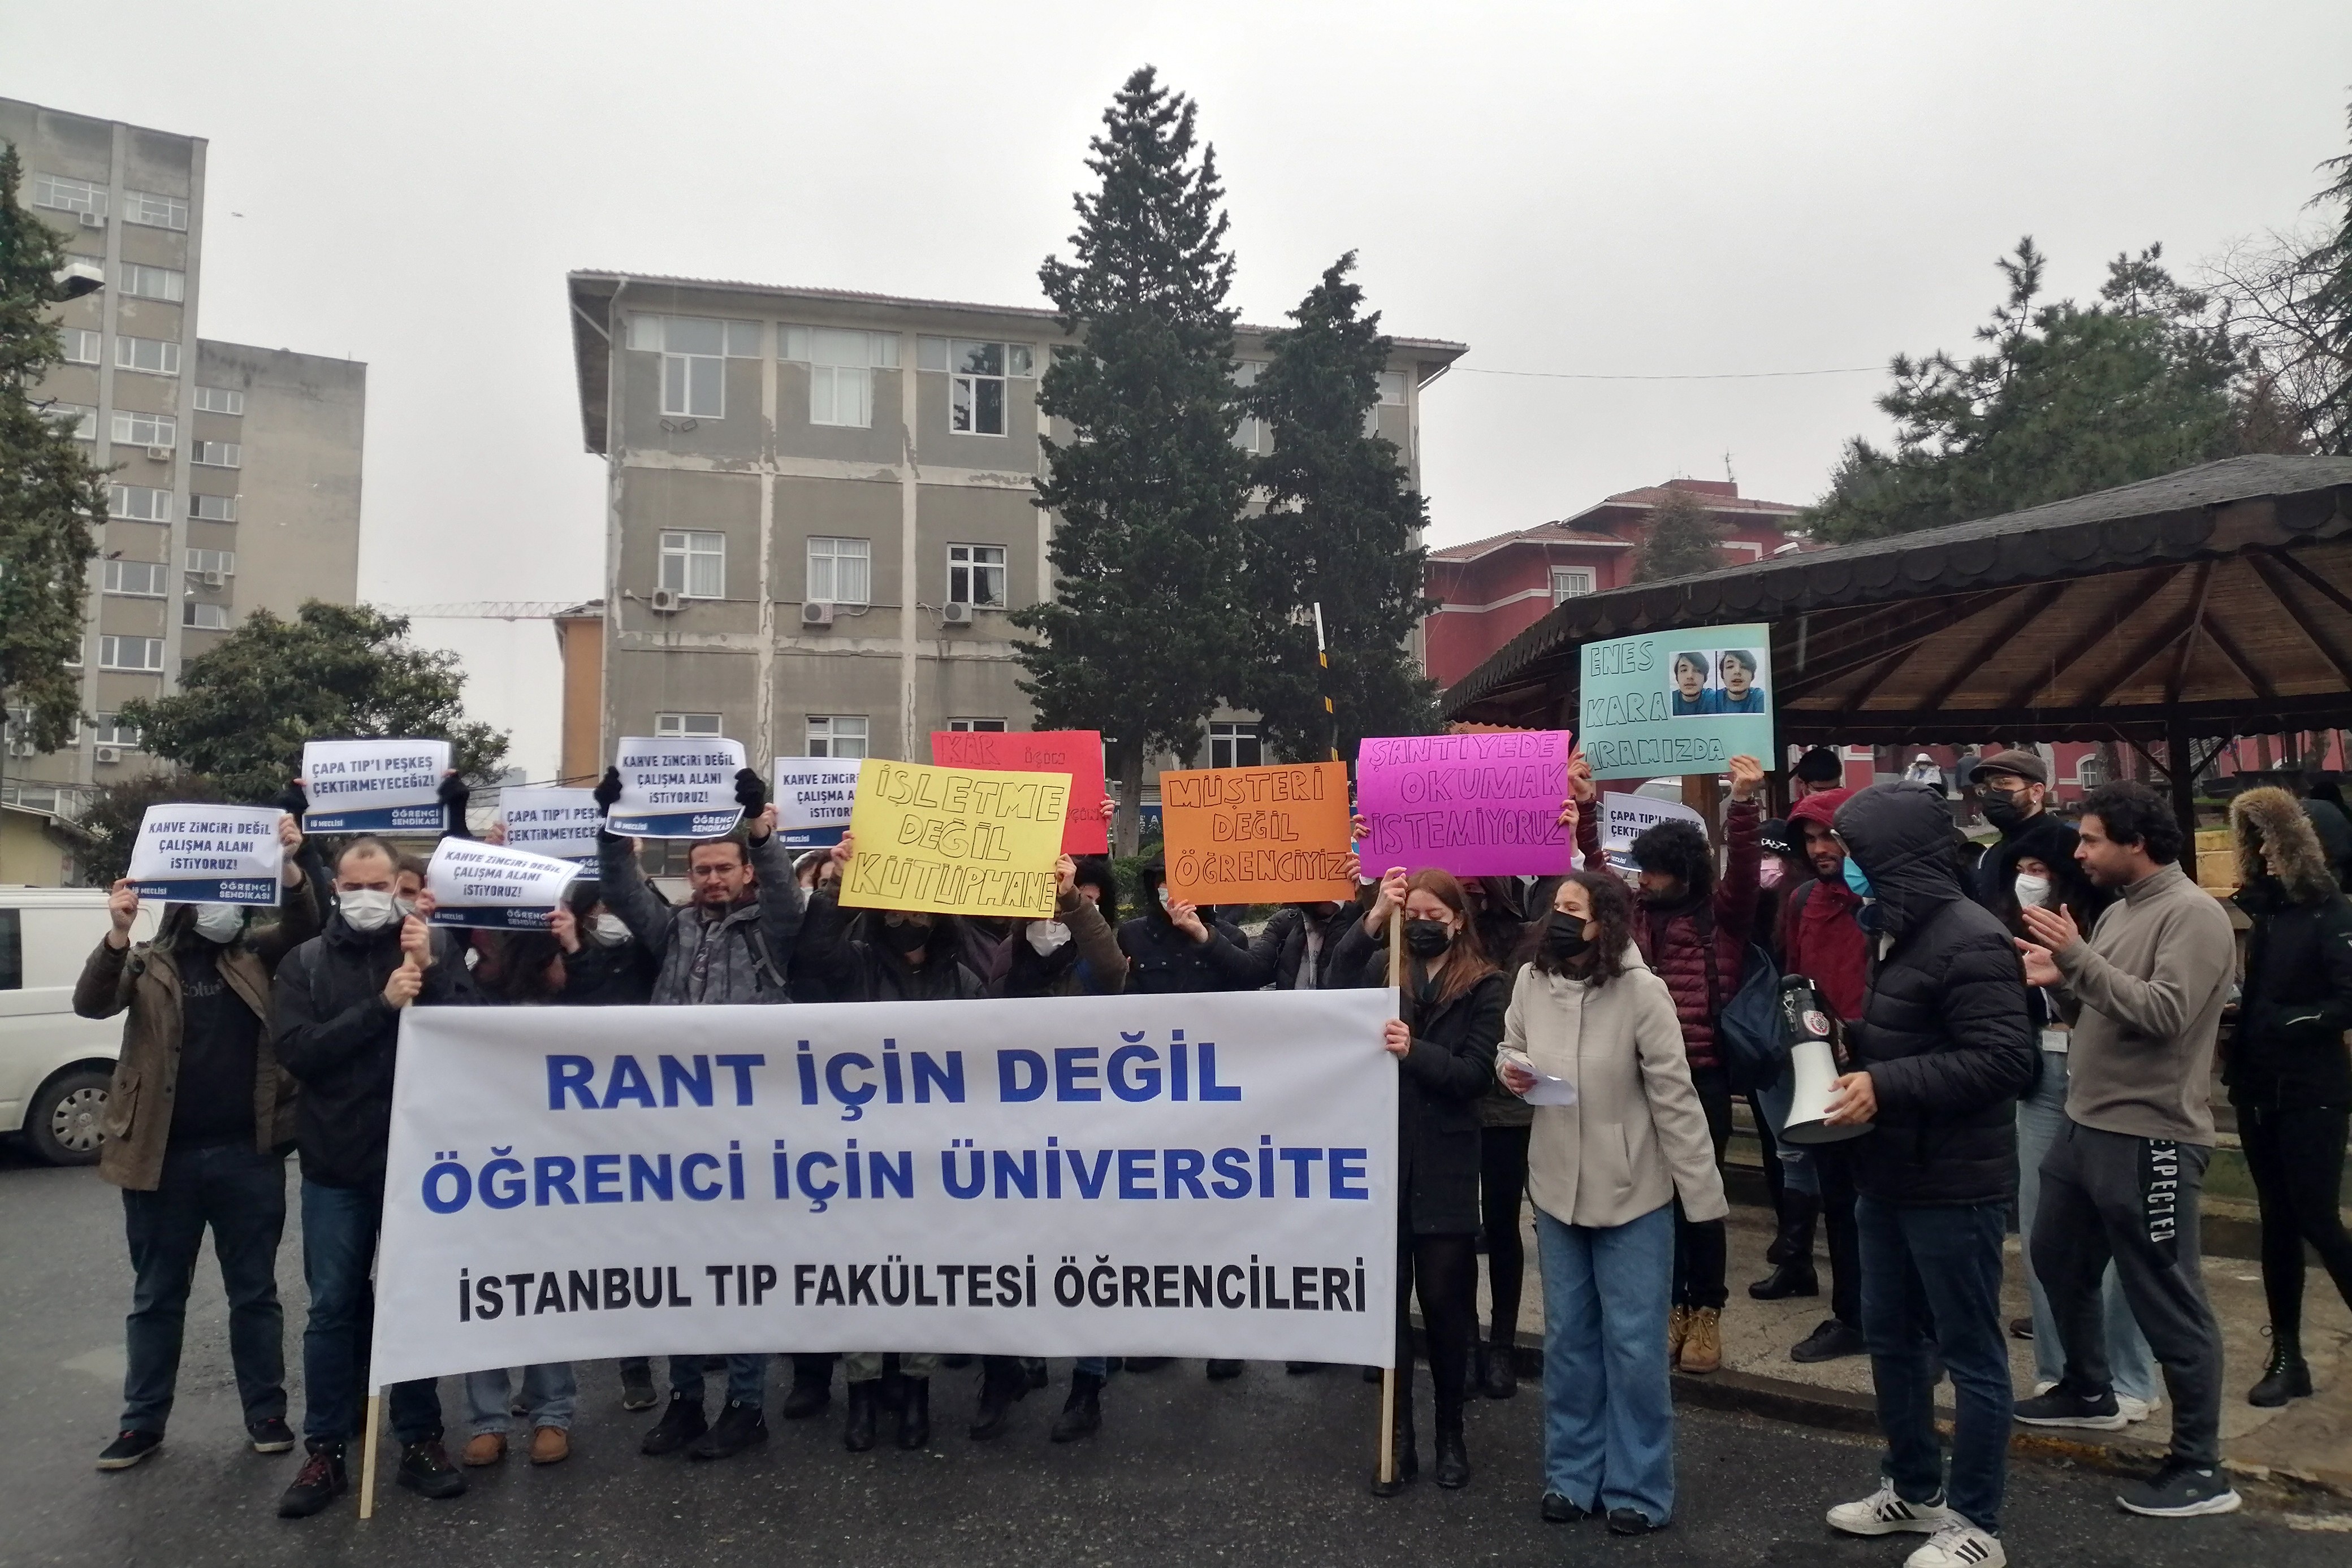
x=1604, y=189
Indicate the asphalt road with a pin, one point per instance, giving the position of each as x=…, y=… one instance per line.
x=1266, y=1470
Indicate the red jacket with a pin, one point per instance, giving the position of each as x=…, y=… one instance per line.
x=1819, y=938
x=1672, y=946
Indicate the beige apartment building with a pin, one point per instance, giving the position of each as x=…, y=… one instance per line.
x=236, y=470
x=820, y=510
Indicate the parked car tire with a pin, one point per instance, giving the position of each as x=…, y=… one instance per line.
x=64, y=1123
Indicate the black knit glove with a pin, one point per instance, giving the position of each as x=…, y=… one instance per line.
x=750, y=793
x=608, y=789
x=293, y=800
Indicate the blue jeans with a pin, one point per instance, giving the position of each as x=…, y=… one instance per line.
x=1797, y=1168
x=747, y=1379
x=339, y=1231
x=1931, y=1276
x=549, y=1392
x=1608, y=1411
x=2039, y=1116
x=242, y=1196
x=1094, y=1366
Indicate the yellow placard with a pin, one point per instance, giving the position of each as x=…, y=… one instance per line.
x=954, y=840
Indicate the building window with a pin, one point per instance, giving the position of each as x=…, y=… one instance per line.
x=840, y=572
x=203, y=617
x=151, y=282
x=153, y=356
x=111, y=731
x=138, y=503
x=694, y=565
x=1234, y=745
x=977, y=725
x=213, y=508
x=837, y=735
x=687, y=726
x=154, y=211
x=80, y=344
x=213, y=562
x=219, y=400
x=695, y=350
x=976, y=576
x=841, y=370
x=1568, y=581
x=976, y=394
x=1250, y=433
x=1393, y=390
x=144, y=654
x=145, y=429
x=138, y=579
x=84, y=418
x=60, y=195
x=216, y=454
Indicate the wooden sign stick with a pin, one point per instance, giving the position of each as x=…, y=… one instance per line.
x=1388, y=1375
x=367, y=1453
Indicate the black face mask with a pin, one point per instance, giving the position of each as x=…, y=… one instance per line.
x=905, y=937
x=2004, y=812
x=1566, y=938
x=1426, y=939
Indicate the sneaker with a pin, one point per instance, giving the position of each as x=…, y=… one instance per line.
x=2137, y=1410
x=128, y=1448
x=1884, y=1513
x=1633, y=1520
x=1958, y=1544
x=1219, y=1370
x=2181, y=1491
x=271, y=1435
x=321, y=1480
x=1834, y=1340
x=738, y=1428
x=681, y=1424
x=2020, y=1328
x=424, y=1470
x=637, y=1389
x=2062, y=1406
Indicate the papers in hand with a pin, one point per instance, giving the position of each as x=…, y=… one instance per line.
x=1548, y=1089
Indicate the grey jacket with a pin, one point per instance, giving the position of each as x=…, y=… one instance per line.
x=736, y=955
x=2149, y=983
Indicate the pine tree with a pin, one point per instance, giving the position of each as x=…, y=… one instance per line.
x=52, y=496
x=1142, y=629
x=1683, y=537
x=2330, y=420
x=1340, y=529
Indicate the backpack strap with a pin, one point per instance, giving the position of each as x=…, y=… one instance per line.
x=761, y=962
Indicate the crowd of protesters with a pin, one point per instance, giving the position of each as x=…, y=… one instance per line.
x=2026, y=1028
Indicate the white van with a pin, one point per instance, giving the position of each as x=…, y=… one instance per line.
x=54, y=1066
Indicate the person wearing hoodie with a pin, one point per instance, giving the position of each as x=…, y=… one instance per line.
x=2323, y=803
x=2145, y=991
x=339, y=999
x=1694, y=933
x=1942, y=1049
x=198, y=1119
x=2287, y=1072
x=1173, y=946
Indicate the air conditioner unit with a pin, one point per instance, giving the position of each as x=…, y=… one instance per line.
x=21, y=748
x=159, y=454
x=93, y=220
x=664, y=601
x=955, y=615
x=214, y=578
x=815, y=614
x=109, y=754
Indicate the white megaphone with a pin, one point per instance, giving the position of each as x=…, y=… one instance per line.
x=1814, y=1066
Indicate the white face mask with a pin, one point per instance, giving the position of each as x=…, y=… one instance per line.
x=219, y=922
x=1162, y=891
x=608, y=930
x=366, y=908
x=403, y=907
x=2032, y=891
x=1048, y=936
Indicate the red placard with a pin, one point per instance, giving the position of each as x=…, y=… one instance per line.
x=1076, y=752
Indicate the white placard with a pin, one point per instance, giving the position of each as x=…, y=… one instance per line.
x=208, y=854
x=1623, y=817
x=559, y=823
x=1069, y=1176
x=506, y=889
x=674, y=787
x=374, y=785
x=814, y=791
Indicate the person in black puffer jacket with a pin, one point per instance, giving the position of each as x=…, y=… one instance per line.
x=1942, y=1051
x=1166, y=957
x=2287, y=1072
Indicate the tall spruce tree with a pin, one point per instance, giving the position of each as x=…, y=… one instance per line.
x=1142, y=629
x=2330, y=418
x=1683, y=537
x=1341, y=530
x=51, y=496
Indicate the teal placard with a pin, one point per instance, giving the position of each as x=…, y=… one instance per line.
x=1670, y=703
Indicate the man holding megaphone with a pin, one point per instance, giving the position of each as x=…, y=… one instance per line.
x=1943, y=1047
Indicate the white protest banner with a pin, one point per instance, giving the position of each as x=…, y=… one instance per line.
x=676, y=788
x=813, y=796
x=1069, y=1176
x=1624, y=816
x=374, y=785
x=208, y=854
x=493, y=885
x=559, y=823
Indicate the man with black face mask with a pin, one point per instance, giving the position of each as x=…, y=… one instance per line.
x=2013, y=791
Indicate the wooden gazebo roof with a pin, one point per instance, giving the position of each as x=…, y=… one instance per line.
x=2209, y=602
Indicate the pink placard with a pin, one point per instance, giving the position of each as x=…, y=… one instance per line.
x=1485, y=804
x=1076, y=752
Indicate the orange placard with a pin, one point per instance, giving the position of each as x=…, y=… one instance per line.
x=1257, y=835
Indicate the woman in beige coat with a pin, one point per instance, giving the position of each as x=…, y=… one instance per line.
x=1588, y=1024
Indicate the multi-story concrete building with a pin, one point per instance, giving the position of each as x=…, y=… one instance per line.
x=820, y=510
x=236, y=470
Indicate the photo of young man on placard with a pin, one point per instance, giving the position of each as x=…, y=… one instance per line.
x=1738, y=690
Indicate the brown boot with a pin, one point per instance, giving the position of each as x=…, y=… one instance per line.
x=550, y=1446
x=486, y=1448
x=1703, y=1342
x=1678, y=1321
